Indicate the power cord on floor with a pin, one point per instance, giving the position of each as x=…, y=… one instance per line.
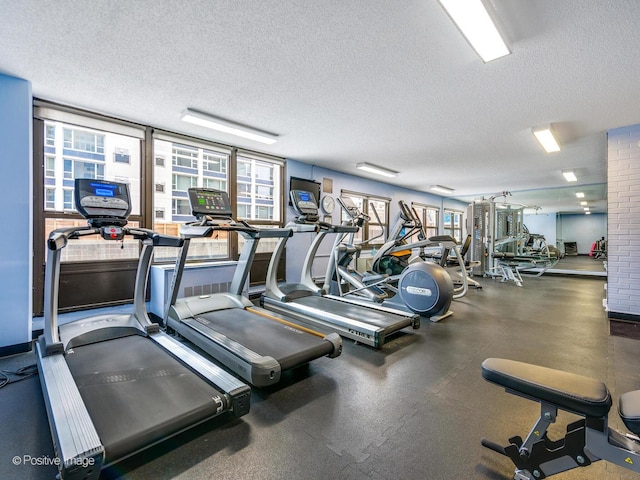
x=22, y=373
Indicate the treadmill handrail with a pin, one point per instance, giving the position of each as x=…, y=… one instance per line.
x=207, y=227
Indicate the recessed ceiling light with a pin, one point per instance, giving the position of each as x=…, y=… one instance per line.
x=587, y=213
x=441, y=189
x=546, y=137
x=221, y=125
x=583, y=203
x=580, y=195
x=367, y=167
x=473, y=20
x=569, y=176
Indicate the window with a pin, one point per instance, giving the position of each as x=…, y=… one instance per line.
x=373, y=232
x=68, y=169
x=214, y=162
x=183, y=182
x=244, y=168
x=192, y=165
x=258, y=184
x=50, y=198
x=183, y=156
x=244, y=190
x=264, y=213
x=264, y=172
x=180, y=206
x=121, y=155
x=67, y=199
x=83, y=141
x=49, y=166
x=259, y=187
x=453, y=224
x=264, y=191
x=429, y=217
x=159, y=161
x=215, y=184
x=80, y=169
x=49, y=135
x=78, y=151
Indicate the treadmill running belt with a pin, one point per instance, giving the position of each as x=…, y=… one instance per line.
x=387, y=321
x=138, y=394
x=288, y=345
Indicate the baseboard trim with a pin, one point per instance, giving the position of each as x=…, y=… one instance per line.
x=14, y=349
x=627, y=317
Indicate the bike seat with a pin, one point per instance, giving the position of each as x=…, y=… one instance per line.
x=575, y=393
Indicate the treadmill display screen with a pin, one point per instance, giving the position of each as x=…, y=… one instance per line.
x=304, y=202
x=206, y=201
x=101, y=198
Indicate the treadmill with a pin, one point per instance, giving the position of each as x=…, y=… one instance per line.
x=306, y=302
x=115, y=384
x=255, y=344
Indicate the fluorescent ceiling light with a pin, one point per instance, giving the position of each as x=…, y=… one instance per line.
x=441, y=189
x=587, y=213
x=473, y=21
x=586, y=209
x=367, y=167
x=226, y=126
x=580, y=195
x=583, y=203
x=547, y=139
x=569, y=175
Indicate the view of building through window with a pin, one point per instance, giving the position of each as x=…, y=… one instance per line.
x=429, y=217
x=372, y=232
x=453, y=224
x=72, y=152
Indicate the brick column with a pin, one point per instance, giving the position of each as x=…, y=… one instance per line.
x=623, y=229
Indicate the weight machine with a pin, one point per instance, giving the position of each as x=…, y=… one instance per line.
x=499, y=241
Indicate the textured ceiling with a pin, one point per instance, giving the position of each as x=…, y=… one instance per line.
x=341, y=82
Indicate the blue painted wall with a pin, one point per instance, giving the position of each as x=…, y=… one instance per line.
x=582, y=229
x=298, y=245
x=544, y=224
x=16, y=242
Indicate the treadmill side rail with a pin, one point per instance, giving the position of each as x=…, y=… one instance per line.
x=238, y=392
x=75, y=439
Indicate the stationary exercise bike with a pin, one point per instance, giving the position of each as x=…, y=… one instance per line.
x=587, y=440
x=422, y=288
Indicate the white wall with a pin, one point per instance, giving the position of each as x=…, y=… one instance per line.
x=16, y=242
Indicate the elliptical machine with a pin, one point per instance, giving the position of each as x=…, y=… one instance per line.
x=424, y=288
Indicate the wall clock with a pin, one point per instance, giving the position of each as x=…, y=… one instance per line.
x=328, y=204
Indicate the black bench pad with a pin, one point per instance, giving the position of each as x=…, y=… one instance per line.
x=629, y=409
x=575, y=393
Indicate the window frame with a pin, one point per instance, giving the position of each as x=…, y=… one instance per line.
x=429, y=230
x=366, y=235
x=455, y=232
x=46, y=112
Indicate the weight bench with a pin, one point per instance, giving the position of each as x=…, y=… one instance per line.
x=587, y=440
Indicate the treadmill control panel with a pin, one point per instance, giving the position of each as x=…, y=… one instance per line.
x=207, y=201
x=96, y=199
x=304, y=202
